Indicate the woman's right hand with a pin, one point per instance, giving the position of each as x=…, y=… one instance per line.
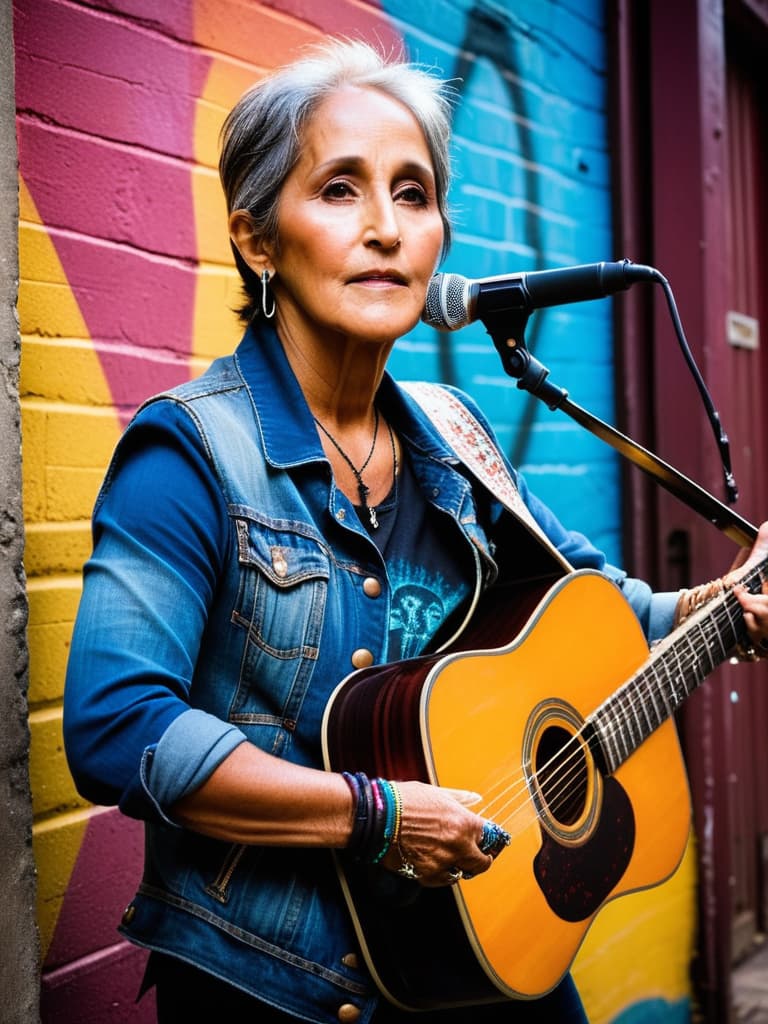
x=439, y=835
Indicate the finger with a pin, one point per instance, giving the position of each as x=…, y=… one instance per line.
x=464, y=796
x=753, y=604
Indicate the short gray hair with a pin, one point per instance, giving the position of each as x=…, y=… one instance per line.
x=262, y=136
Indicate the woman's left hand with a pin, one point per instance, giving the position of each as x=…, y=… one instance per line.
x=755, y=606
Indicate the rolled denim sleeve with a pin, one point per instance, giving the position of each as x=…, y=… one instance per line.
x=189, y=751
x=161, y=533
x=655, y=610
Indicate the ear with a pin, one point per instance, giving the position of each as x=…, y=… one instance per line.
x=256, y=252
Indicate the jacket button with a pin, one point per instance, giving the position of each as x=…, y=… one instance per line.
x=371, y=587
x=129, y=913
x=279, y=563
x=351, y=960
x=348, y=1013
x=362, y=658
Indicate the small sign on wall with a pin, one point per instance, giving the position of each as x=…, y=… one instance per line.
x=742, y=331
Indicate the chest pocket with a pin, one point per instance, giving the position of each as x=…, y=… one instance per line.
x=280, y=607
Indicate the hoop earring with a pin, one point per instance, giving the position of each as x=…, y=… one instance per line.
x=264, y=293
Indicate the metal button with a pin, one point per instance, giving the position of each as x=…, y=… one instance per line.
x=362, y=658
x=279, y=564
x=371, y=587
x=129, y=913
x=348, y=1013
x=351, y=960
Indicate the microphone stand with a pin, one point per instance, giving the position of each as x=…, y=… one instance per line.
x=532, y=377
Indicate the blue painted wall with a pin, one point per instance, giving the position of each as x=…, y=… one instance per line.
x=531, y=191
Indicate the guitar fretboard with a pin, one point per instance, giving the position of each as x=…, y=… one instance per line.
x=678, y=665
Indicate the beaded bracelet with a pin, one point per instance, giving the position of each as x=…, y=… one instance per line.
x=359, y=820
x=377, y=816
x=691, y=600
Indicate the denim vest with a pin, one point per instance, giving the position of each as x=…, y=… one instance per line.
x=291, y=610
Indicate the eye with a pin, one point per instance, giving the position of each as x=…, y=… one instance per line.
x=412, y=194
x=339, y=189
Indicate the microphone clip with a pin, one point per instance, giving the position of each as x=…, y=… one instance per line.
x=531, y=375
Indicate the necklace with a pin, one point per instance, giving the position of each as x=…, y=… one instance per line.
x=362, y=489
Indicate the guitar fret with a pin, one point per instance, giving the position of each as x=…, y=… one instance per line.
x=672, y=678
x=635, y=720
x=662, y=691
x=614, y=758
x=644, y=705
x=661, y=713
x=683, y=650
x=732, y=624
x=651, y=693
x=714, y=640
x=618, y=720
x=627, y=721
x=699, y=650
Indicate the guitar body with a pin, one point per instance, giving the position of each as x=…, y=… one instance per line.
x=507, y=722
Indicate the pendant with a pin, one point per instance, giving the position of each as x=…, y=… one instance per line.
x=372, y=517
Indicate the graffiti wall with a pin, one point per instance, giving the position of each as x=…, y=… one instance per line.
x=127, y=287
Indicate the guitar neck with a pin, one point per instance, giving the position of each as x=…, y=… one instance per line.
x=678, y=665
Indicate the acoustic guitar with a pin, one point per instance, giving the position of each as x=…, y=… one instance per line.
x=566, y=731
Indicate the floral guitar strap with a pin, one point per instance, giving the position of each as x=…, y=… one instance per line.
x=472, y=444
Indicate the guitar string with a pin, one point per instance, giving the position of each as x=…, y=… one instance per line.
x=567, y=779
x=642, y=683
x=561, y=788
x=721, y=611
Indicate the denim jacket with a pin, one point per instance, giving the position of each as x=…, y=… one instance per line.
x=170, y=671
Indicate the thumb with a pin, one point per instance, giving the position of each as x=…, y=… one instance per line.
x=464, y=796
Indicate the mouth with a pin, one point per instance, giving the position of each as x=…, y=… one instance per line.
x=379, y=278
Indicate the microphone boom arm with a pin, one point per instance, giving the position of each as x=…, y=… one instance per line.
x=531, y=375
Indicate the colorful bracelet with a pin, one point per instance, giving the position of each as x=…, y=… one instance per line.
x=377, y=815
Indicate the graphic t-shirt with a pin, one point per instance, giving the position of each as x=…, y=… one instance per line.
x=430, y=578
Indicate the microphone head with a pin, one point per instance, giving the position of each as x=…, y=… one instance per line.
x=447, y=306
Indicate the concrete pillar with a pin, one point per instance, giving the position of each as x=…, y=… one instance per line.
x=19, y=945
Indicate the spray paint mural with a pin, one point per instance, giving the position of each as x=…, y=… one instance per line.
x=127, y=287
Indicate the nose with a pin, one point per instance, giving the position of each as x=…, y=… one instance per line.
x=383, y=228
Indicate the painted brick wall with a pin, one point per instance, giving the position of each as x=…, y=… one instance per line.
x=126, y=283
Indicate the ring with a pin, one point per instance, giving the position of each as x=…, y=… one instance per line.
x=493, y=839
x=455, y=875
x=407, y=870
x=746, y=652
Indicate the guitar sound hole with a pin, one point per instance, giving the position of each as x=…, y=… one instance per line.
x=561, y=771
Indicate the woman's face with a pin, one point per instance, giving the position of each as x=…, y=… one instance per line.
x=359, y=227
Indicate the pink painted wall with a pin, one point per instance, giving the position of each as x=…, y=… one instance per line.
x=126, y=289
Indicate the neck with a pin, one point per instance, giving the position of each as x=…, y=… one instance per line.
x=339, y=378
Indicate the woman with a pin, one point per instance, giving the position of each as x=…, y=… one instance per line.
x=272, y=526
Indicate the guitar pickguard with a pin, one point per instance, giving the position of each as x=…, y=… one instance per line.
x=576, y=880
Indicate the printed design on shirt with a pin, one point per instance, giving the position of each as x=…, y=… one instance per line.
x=421, y=602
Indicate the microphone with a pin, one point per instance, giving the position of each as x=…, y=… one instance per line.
x=454, y=301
